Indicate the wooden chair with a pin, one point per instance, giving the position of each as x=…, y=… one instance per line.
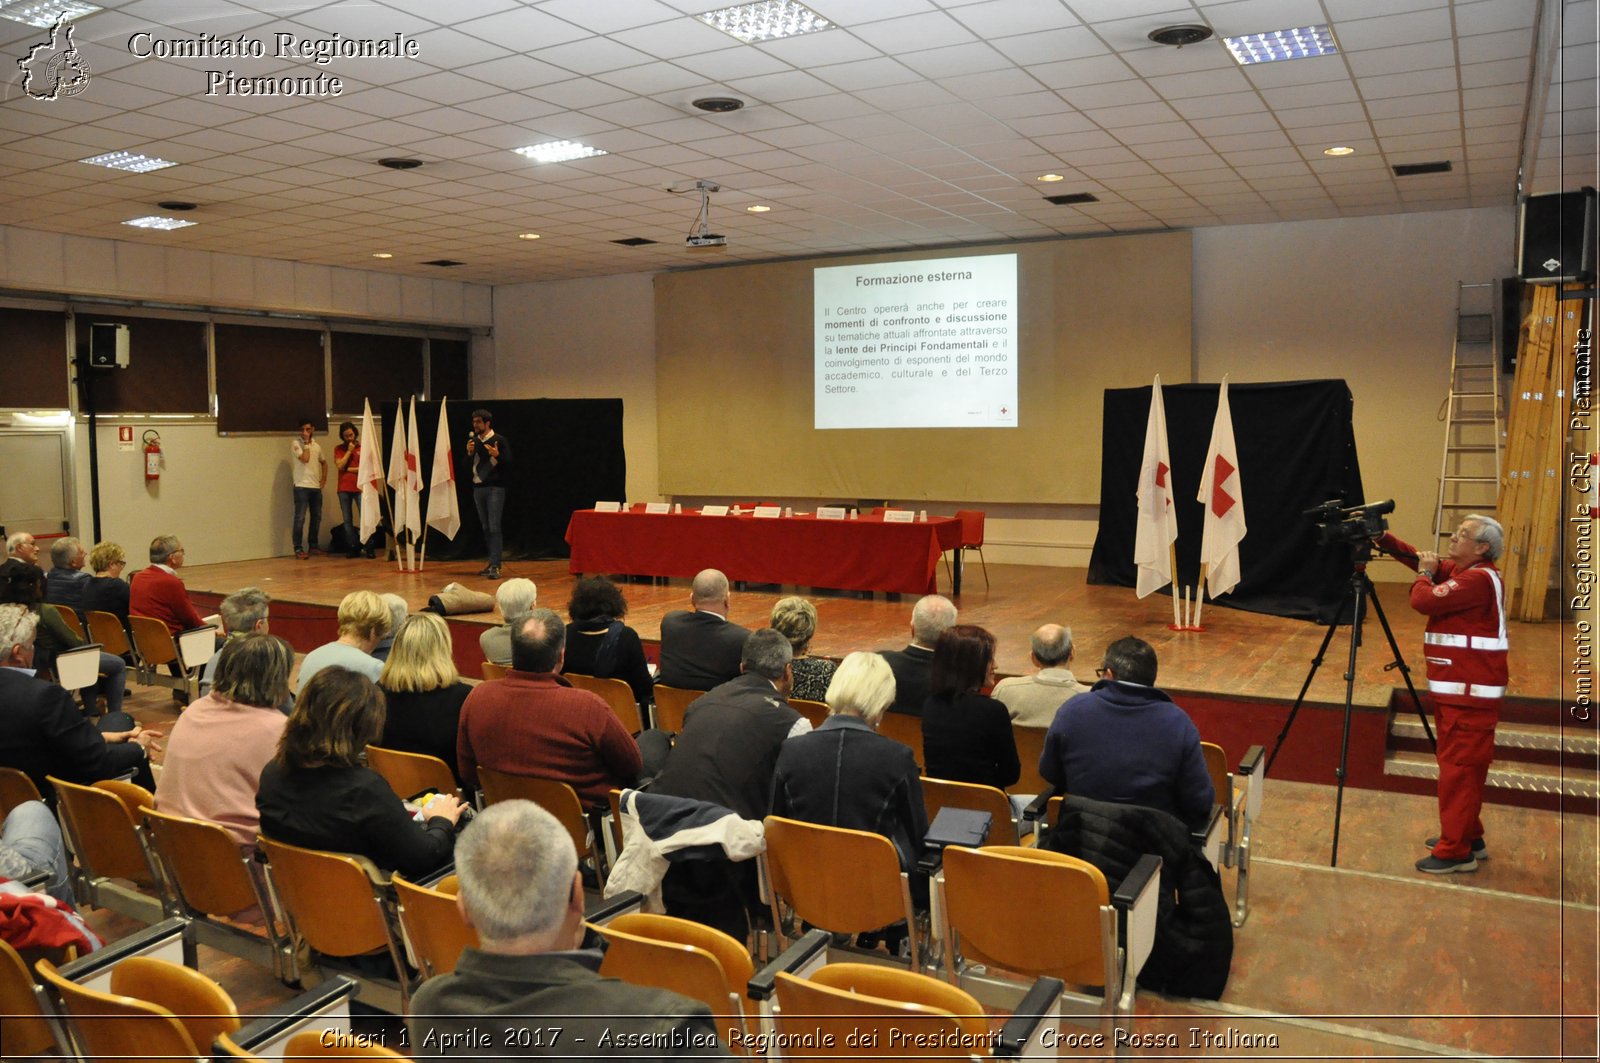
x=1239, y=792
x=698, y=961
x=155, y=649
x=432, y=923
x=1030, y=747
x=878, y=1011
x=672, y=703
x=26, y=1028
x=325, y=1006
x=102, y=826
x=15, y=788
x=815, y=711
x=213, y=884
x=175, y=1010
x=617, y=694
x=905, y=729
x=409, y=774
x=803, y=864
x=944, y=793
x=334, y=904
x=556, y=798
x=309, y=1045
x=106, y=629
x=70, y=618
x=493, y=671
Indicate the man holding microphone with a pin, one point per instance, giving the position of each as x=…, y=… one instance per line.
x=490, y=456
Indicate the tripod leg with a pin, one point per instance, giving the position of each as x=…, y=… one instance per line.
x=1349, y=699
x=1316, y=662
x=1400, y=662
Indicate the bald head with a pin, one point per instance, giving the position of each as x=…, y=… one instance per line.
x=1052, y=646
x=709, y=591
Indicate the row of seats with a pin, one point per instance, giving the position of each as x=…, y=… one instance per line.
x=147, y=640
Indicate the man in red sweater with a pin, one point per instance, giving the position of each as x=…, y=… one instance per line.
x=158, y=592
x=535, y=723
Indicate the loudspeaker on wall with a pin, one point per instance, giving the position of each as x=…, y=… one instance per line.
x=1557, y=237
x=108, y=345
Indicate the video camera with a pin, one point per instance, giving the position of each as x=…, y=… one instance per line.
x=1339, y=523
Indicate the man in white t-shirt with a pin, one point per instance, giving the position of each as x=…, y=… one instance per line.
x=310, y=473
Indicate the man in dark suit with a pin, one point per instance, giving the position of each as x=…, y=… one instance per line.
x=700, y=649
x=66, y=579
x=911, y=666
x=45, y=734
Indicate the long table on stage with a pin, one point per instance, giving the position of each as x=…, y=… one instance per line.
x=865, y=554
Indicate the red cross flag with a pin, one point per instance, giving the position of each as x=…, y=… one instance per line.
x=1223, y=498
x=1157, y=527
x=444, y=512
x=369, y=474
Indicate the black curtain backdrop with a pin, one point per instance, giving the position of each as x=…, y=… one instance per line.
x=565, y=455
x=1296, y=449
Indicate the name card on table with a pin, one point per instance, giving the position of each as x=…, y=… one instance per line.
x=831, y=513
x=658, y=507
x=899, y=516
x=608, y=507
x=713, y=511
x=768, y=512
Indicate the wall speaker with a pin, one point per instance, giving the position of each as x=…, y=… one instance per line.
x=108, y=346
x=1557, y=238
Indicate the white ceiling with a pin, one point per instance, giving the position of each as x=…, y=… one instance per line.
x=911, y=123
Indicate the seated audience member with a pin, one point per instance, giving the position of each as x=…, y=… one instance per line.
x=533, y=722
x=796, y=619
x=1127, y=743
x=514, y=598
x=700, y=647
x=1033, y=700
x=599, y=643
x=317, y=794
x=244, y=612
x=911, y=666
x=44, y=734
x=24, y=584
x=966, y=735
x=363, y=621
x=423, y=690
x=21, y=547
x=65, y=581
x=158, y=592
x=107, y=591
x=398, y=609
x=30, y=842
x=520, y=889
x=845, y=774
x=221, y=743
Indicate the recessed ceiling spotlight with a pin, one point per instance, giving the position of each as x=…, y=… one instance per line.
x=1340, y=150
x=558, y=151
x=1050, y=178
x=396, y=163
x=718, y=104
x=1304, y=42
x=176, y=204
x=527, y=236
x=758, y=208
x=128, y=162
x=156, y=221
x=765, y=20
x=44, y=13
x=382, y=254
x=1178, y=36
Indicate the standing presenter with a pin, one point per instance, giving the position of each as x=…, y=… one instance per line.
x=310, y=473
x=1465, y=646
x=490, y=456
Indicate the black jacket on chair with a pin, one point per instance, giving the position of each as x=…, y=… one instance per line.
x=1194, y=927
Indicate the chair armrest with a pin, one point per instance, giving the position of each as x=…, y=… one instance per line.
x=153, y=940
x=611, y=907
x=437, y=875
x=813, y=945
x=1036, y=808
x=1209, y=838
x=1252, y=769
x=35, y=882
x=931, y=862
x=1027, y=1022
x=327, y=999
x=1136, y=901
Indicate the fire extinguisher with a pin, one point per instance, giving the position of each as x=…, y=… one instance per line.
x=152, y=455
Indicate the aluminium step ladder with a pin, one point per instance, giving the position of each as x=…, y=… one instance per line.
x=1469, y=475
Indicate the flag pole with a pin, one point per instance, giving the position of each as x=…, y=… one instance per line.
x=1172, y=557
x=1199, y=596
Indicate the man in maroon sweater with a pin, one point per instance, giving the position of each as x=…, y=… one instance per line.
x=535, y=723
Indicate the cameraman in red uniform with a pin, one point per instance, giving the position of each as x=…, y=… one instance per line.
x=1465, y=644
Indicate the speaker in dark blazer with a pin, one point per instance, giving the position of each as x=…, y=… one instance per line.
x=1556, y=237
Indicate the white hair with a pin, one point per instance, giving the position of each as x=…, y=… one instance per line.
x=515, y=863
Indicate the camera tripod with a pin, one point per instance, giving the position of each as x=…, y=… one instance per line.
x=1358, y=594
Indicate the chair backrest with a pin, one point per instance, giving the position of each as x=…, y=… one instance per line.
x=328, y=897
x=679, y=964
x=433, y=923
x=69, y=617
x=203, y=862
x=23, y=1027
x=732, y=958
x=495, y=671
x=15, y=788
x=152, y=641
x=874, y=1003
x=108, y=631
x=309, y=1045
x=945, y=793
x=408, y=774
x=1217, y=768
x=671, y=705
x=805, y=861
x=618, y=696
x=905, y=729
x=1050, y=923
x=556, y=798
x=971, y=527
x=1030, y=747
x=815, y=711
x=116, y=1025
x=105, y=834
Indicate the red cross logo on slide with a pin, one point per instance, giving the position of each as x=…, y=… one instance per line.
x=1221, y=501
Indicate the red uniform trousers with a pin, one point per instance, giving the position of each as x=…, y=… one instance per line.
x=1466, y=747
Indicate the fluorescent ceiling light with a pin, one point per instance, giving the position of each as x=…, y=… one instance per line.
x=44, y=13
x=1050, y=178
x=527, y=236
x=129, y=162
x=156, y=221
x=1305, y=42
x=758, y=208
x=558, y=151
x=1338, y=151
x=766, y=20
x=382, y=254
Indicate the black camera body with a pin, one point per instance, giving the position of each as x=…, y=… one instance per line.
x=1339, y=523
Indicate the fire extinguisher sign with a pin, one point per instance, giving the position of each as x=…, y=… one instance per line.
x=125, y=437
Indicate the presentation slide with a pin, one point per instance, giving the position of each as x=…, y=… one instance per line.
x=924, y=344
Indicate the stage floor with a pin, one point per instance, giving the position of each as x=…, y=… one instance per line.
x=1239, y=654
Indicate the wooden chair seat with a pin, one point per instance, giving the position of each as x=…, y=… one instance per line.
x=409, y=774
x=698, y=961
x=102, y=824
x=156, y=1010
x=888, y=1011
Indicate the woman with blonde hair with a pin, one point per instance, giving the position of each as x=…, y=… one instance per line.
x=107, y=591
x=364, y=619
x=423, y=689
x=796, y=619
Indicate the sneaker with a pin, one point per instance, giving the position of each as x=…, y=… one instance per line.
x=492, y=572
x=368, y=554
x=1438, y=865
x=301, y=555
x=1479, y=850
x=314, y=550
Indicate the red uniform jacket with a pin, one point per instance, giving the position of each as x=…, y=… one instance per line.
x=1465, y=640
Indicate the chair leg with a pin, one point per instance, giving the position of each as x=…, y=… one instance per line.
x=982, y=561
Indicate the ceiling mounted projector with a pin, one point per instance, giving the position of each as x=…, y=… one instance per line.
x=700, y=234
